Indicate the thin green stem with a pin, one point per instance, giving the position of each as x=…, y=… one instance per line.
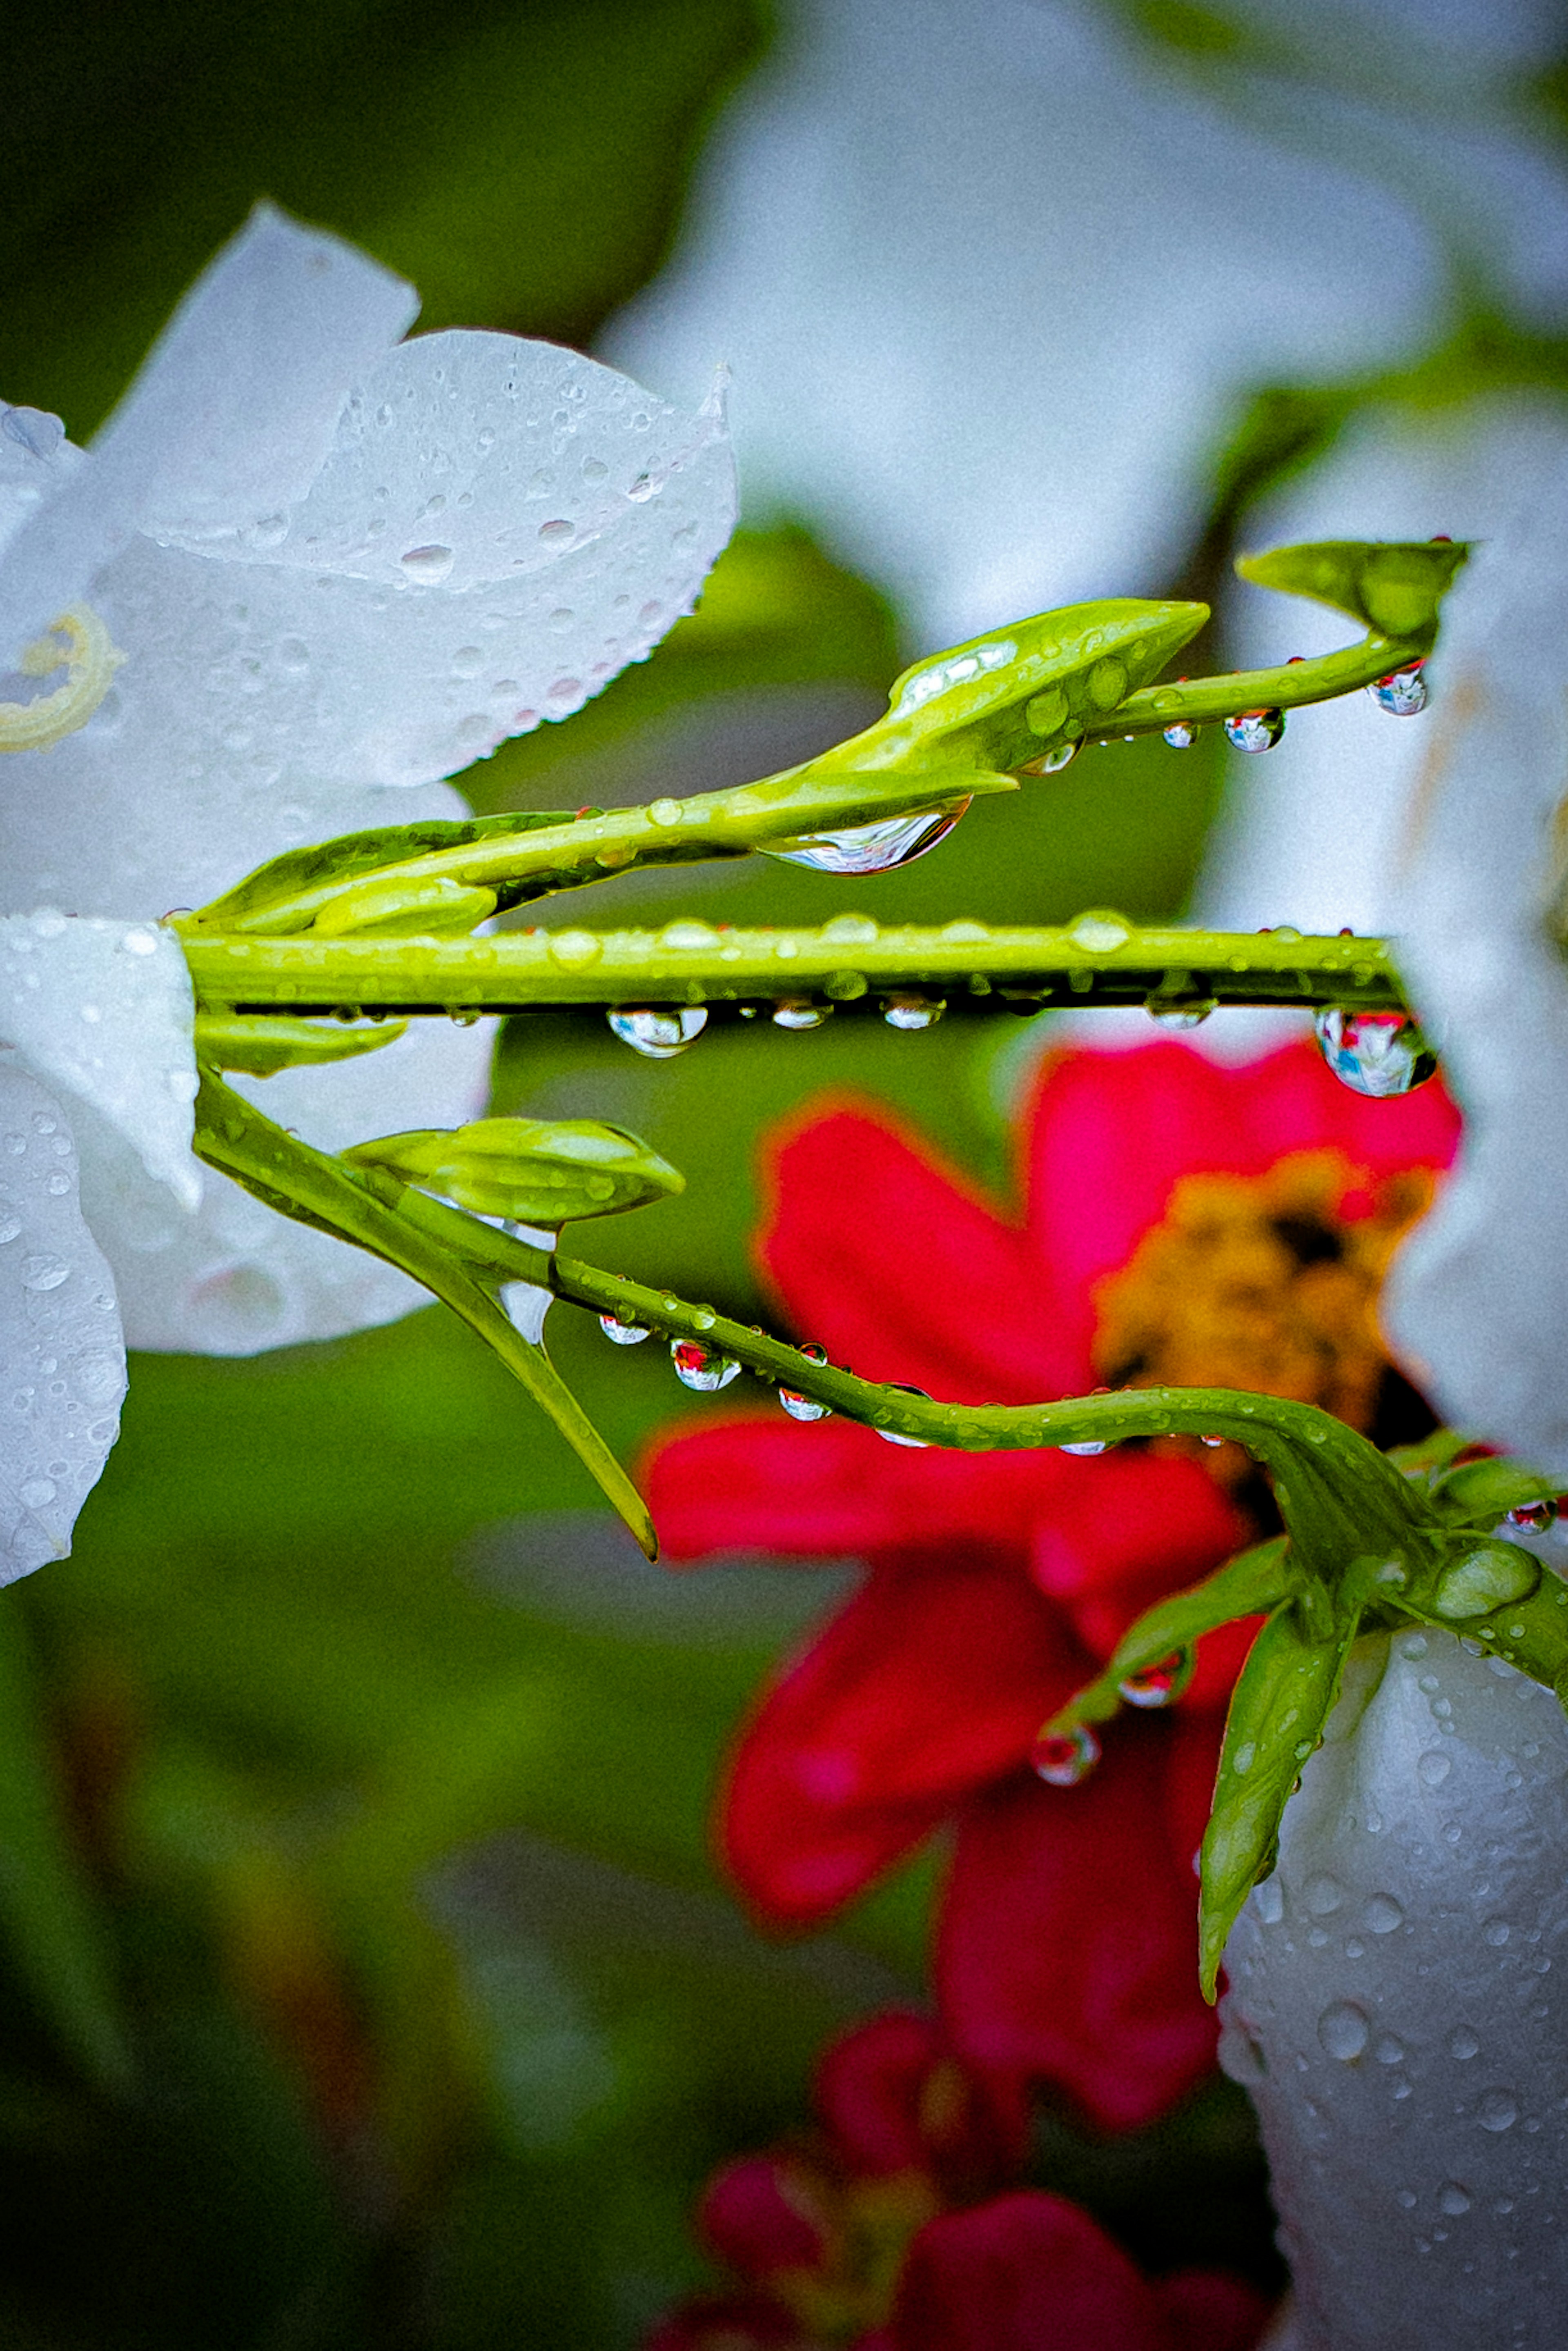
x=1099, y=960
x=1290, y=685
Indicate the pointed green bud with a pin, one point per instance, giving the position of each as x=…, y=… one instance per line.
x=405, y=908
x=263, y=1043
x=531, y=1171
x=1393, y=587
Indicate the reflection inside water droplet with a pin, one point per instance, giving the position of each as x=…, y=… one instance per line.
x=1255, y=730
x=705, y=1369
x=1380, y=1054
x=1158, y=1685
x=658, y=1035
x=1065, y=1758
x=625, y=1334
x=877, y=848
x=1403, y=693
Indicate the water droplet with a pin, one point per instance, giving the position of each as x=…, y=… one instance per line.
x=1178, y=1013
x=853, y=930
x=1063, y=1757
x=1157, y=1685
x=663, y=811
x=625, y=1334
x=429, y=564
x=1246, y=1755
x=877, y=848
x=805, y=1407
x=1343, y=2031
x=1182, y=736
x=1324, y=1895
x=1383, y=1914
x=575, y=950
x=911, y=1011
x=35, y=1493
x=1433, y=1768
x=1107, y=682
x=1498, y=2111
x=1269, y=1900
x=1376, y=1053
x=705, y=1369
x=1532, y=1517
x=557, y=529
x=1390, y=2049
x=43, y=1271
x=659, y=1036
x=10, y=1226
x=1091, y=1446
x=1099, y=932
x=1495, y=1932
x=800, y=1012
x=896, y=1437
x=1453, y=2200
x=1059, y=756
x=1255, y=730
x=1462, y=2043
x=689, y=937
x=1403, y=693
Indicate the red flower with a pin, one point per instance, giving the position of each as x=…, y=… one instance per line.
x=999, y=1583
x=1030, y=2271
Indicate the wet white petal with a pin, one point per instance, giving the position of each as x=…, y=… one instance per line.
x=1478, y=1296
x=62, y=1361
x=989, y=286
x=101, y=1011
x=228, y=419
x=1314, y=834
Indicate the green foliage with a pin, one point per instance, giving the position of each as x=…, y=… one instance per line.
x=536, y=1171
x=1394, y=588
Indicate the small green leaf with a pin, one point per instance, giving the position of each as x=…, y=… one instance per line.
x=1278, y=1710
x=1393, y=587
x=263, y=1043
x=46, y=1907
x=263, y=901
x=1247, y=1585
x=535, y=1171
x=399, y=908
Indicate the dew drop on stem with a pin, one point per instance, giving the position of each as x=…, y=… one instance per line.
x=658, y=1035
x=702, y=1369
x=879, y=847
x=1063, y=1757
x=1380, y=1054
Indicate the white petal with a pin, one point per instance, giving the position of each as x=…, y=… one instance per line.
x=230, y=416
x=62, y=1361
x=236, y=1277
x=259, y=699
x=102, y=1012
x=988, y=288
x=1479, y=1297
x=1311, y=832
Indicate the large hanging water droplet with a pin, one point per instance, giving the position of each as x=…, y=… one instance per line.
x=625, y=1334
x=1376, y=1053
x=877, y=848
x=1182, y=736
x=1255, y=730
x=1532, y=1517
x=705, y=1369
x=1159, y=1684
x=1063, y=1757
x=895, y=1437
x=1403, y=693
x=658, y=1035
x=800, y=1012
x=805, y=1407
x=1178, y=1013
x=1092, y=1445
x=911, y=1011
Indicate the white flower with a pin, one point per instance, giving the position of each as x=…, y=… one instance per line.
x=336, y=568
x=1445, y=831
x=997, y=281
x=1396, y=2014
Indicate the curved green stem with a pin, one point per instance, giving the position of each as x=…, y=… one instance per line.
x=1287, y=686
x=1100, y=959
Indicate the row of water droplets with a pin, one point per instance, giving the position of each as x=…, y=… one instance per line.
x=1403, y=693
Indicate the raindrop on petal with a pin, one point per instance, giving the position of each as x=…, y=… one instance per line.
x=428, y=564
x=875, y=848
x=1403, y=693
x=659, y=1035
x=1343, y=2031
x=625, y=1334
x=1255, y=730
x=1062, y=1758
x=1498, y=2111
x=705, y=1369
x=1380, y=1054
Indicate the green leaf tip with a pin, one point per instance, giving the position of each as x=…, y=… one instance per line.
x=534, y=1171
x=263, y=1043
x=1393, y=587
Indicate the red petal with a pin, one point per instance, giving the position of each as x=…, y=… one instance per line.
x=894, y=2098
x=1125, y=1530
x=931, y=1683
x=1026, y=2272
x=1068, y=1943
x=889, y=1257
x=1207, y=2311
x=760, y=2214
x=1112, y=1132
x=838, y=1490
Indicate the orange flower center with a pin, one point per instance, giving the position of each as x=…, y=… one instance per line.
x=1267, y=1282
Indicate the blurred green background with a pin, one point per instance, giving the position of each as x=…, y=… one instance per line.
x=367, y=1981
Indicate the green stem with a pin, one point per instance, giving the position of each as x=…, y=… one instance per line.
x=1287, y=686
x=1098, y=960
